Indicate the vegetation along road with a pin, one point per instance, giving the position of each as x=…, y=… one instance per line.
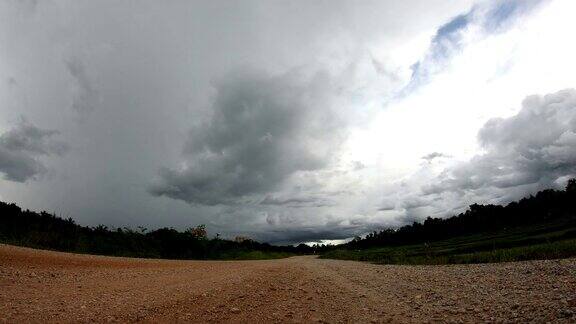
x=44, y=286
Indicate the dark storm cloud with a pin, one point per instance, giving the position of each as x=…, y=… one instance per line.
x=21, y=149
x=414, y=202
x=316, y=234
x=85, y=94
x=140, y=74
x=535, y=148
x=299, y=235
x=434, y=155
x=307, y=201
x=263, y=129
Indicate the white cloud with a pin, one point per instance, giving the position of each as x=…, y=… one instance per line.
x=533, y=148
x=486, y=77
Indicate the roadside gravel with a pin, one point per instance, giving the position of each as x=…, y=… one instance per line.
x=44, y=286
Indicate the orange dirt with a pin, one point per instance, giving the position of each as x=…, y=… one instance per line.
x=44, y=286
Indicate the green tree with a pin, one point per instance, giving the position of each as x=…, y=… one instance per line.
x=571, y=186
x=198, y=232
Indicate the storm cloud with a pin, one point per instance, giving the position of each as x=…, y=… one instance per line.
x=434, y=155
x=532, y=150
x=279, y=120
x=263, y=129
x=22, y=149
x=85, y=94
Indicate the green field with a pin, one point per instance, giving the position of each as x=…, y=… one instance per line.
x=255, y=255
x=549, y=241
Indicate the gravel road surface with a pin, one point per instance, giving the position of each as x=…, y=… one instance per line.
x=44, y=286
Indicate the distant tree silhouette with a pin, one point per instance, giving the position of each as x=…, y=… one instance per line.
x=571, y=186
x=546, y=206
x=43, y=230
x=199, y=232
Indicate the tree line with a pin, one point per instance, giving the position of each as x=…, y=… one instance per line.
x=544, y=207
x=47, y=231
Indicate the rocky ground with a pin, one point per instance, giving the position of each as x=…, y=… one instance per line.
x=42, y=286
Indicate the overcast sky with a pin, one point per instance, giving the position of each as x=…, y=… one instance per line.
x=285, y=121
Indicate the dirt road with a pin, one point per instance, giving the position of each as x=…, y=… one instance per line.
x=40, y=286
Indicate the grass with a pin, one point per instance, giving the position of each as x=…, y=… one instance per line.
x=228, y=255
x=550, y=241
x=255, y=255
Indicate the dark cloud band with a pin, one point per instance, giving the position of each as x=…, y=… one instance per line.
x=263, y=130
x=21, y=149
